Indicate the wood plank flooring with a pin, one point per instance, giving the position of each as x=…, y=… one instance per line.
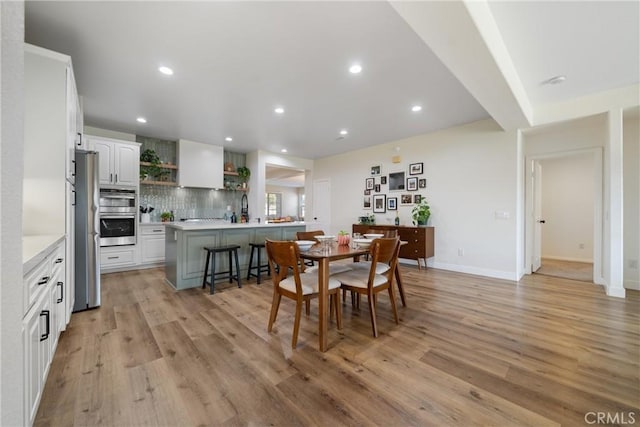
x=468, y=351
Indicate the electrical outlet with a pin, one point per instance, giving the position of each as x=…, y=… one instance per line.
x=460, y=252
x=581, y=245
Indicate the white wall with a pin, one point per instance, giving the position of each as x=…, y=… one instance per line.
x=289, y=198
x=109, y=134
x=631, y=176
x=471, y=176
x=567, y=207
x=11, y=159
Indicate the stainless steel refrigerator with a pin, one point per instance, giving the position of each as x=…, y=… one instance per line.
x=87, y=232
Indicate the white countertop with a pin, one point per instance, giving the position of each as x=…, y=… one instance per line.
x=187, y=226
x=36, y=248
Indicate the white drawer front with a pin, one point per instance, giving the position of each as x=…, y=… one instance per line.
x=117, y=258
x=35, y=283
x=157, y=230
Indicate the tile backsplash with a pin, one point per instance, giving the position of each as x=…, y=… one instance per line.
x=189, y=202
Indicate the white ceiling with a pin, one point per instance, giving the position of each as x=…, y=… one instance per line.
x=234, y=62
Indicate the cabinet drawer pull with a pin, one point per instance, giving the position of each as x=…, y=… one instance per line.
x=113, y=257
x=46, y=314
x=116, y=181
x=158, y=231
x=61, y=284
x=110, y=177
x=59, y=260
x=44, y=280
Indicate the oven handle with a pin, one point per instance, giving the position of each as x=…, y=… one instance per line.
x=116, y=216
x=117, y=196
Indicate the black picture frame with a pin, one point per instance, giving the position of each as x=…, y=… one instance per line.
x=367, y=192
x=412, y=184
x=397, y=181
x=377, y=188
x=416, y=168
x=406, y=199
x=392, y=203
x=417, y=198
x=375, y=170
x=422, y=183
x=366, y=202
x=368, y=183
x=379, y=203
x=383, y=180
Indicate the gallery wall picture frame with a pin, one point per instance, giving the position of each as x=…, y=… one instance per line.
x=366, y=203
x=422, y=183
x=406, y=199
x=392, y=203
x=397, y=181
x=377, y=188
x=367, y=192
x=376, y=170
x=379, y=203
x=369, y=183
x=412, y=184
x=416, y=168
x=383, y=180
x=417, y=198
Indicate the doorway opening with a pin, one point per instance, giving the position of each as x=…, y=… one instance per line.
x=565, y=225
x=284, y=194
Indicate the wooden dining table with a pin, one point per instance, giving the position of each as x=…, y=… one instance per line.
x=324, y=257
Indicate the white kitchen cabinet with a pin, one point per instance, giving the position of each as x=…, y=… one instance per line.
x=116, y=257
x=200, y=165
x=119, y=161
x=151, y=244
x=37, y=354
x=45, y=317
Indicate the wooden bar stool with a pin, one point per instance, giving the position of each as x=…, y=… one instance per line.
x=232, y=250
x=259, y=268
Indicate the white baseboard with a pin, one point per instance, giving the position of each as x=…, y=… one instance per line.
x=615, y=292
x=632, y=284
x=496, y=274
x=564, y=258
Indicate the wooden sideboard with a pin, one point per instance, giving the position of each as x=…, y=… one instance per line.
x=420, y=240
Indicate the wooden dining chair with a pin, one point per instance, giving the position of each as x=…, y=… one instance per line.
x=369, y=282
x=290, y=281
x=309, y=235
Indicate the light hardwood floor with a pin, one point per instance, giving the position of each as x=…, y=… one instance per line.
x=468, y=351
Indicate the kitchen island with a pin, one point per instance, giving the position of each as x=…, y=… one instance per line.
x=184, y=243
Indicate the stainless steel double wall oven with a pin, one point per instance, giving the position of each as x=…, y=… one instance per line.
x=118, y=211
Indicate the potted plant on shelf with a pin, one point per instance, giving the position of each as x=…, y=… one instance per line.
x=165, y=216
x=152, y=170
x=421, y=213
x=244, y=173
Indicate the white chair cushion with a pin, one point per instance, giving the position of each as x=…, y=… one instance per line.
x=359, y=278
x=333, y=269
x=381, y=268
x=309, y=282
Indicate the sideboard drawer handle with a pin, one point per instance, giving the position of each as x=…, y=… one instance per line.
x=59, y=260
x=43, y=280
x=113, y=257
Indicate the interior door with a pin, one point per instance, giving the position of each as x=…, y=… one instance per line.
x=321, y=218
x=538, y=221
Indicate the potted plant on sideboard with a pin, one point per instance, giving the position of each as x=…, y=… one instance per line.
x=421, y=213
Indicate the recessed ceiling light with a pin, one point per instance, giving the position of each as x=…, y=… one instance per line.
x=355, y=69
x=228, y=139
x=416, y=108
x=343, y=132
x=284, y=150
x=555, y=80
x=141, y=120
x=279, y=110
x=165, y=70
